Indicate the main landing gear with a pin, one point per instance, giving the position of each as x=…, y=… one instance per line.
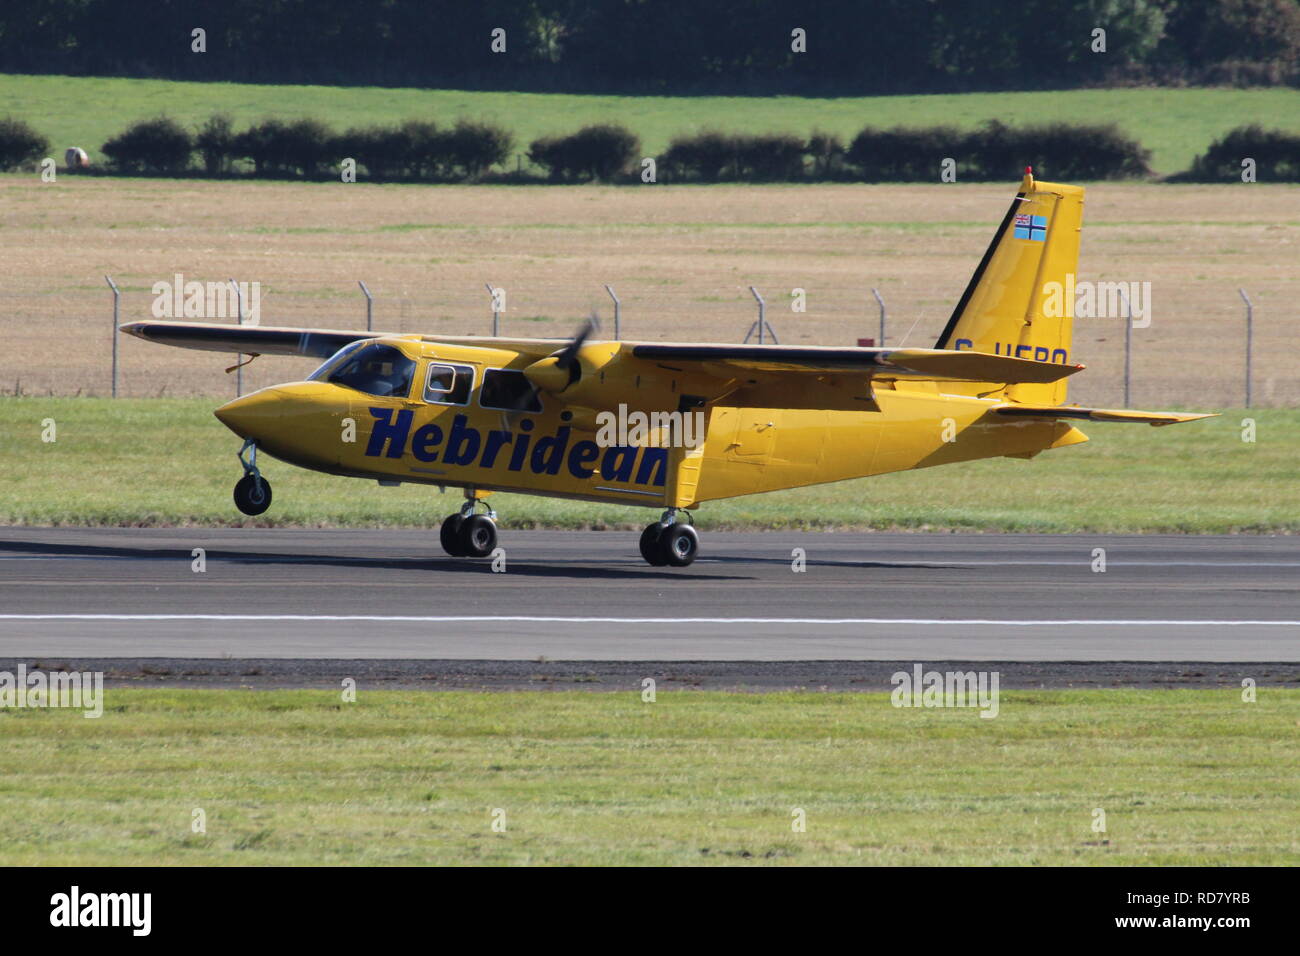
x=252, y=492
x=469, y=535
x=669, y=541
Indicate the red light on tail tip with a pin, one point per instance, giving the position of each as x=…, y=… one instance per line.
x=1029, y=170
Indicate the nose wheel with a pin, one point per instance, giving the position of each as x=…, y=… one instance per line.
x=669, y=542
x=252, y=492
x=469, y=535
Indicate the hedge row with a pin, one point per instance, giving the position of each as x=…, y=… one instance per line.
x=423, y=151
x=309, y=148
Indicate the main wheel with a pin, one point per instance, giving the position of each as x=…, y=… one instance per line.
x=450, y=535
x=477, y=536
x=252, y=494
x=680, y=544
x=650, y=550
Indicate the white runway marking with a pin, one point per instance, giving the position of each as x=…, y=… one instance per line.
x=503, y=619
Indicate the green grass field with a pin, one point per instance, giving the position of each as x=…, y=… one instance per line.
x=1185, y=777
x=169, y=462
x=1175, y=124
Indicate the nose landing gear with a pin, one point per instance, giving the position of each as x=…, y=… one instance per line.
x=469, y=535
x=252, y=492
x=669, y=541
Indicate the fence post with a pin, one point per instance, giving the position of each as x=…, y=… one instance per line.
x=1250, y=335
x=1128, y=346
x=117, y=297
x=617, y=312
x=496, y=316
x=239, y=369
x=761, y=324
x=881, y=341
x=370, y=303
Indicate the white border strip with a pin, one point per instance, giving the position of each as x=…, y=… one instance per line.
x=531, y=619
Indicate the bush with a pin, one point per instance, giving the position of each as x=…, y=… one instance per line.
x=1059, y=151
x=422, y=149
x=275, y=146
x=215, y=142
x=904, y=154
x=827, y=153
x=158, y=145
x=772, y=156
x=471, y=148
x=707, y=156
x=20, y=144
x=997, y=152
x=1276, y=154
x=383, y=150
x=603, y=151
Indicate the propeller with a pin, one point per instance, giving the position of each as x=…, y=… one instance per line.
x=557, y=372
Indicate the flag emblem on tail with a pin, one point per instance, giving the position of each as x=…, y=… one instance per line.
x=1033, y=228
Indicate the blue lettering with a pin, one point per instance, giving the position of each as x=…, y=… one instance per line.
x=583, y=454
x=521, y=446
x=1061, y=352
x=462, y=443
x=495, y=441
x=1023, y=348
x=423, y=440
x=617, y=465
x=964, y=344
x=385, y=431
x=548, y=453
x=1040, y=354
x=653, y=460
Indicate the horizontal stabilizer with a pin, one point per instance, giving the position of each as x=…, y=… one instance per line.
x=1100, y=414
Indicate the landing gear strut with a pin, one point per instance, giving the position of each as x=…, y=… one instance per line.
x=669, y=541
x=469, y=535
x=252, y=492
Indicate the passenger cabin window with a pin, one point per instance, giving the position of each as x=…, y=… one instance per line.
x=448, y=384
x=374, y=369
x=508, y=390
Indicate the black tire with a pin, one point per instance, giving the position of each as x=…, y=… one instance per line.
x=680, y=544
x=450, y=535
x=252, y=494
x=477, y=536
x=654, y=555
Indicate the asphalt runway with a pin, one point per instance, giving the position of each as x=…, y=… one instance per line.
x=587, y=596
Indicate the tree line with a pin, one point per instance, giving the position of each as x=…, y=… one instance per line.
x=833, y=47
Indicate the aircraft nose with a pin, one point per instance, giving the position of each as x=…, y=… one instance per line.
x=252, y=416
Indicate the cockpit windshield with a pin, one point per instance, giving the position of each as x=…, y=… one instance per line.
x=372, y=368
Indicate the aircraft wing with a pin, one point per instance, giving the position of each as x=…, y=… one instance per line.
x=930, y=364
x=1099, y=414
x=317, y=343
x=246, y=339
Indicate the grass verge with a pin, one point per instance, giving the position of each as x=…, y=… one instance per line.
x=1185, y=777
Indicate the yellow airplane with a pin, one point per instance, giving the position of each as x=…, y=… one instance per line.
x=670, y=426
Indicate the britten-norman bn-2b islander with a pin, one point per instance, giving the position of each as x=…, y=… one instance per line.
x=533, y=415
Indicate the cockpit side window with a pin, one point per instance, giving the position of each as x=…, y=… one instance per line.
x=374, y=369
x=448, y=384
x=509, y=390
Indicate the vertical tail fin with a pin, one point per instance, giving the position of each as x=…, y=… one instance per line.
x=1020, y=300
